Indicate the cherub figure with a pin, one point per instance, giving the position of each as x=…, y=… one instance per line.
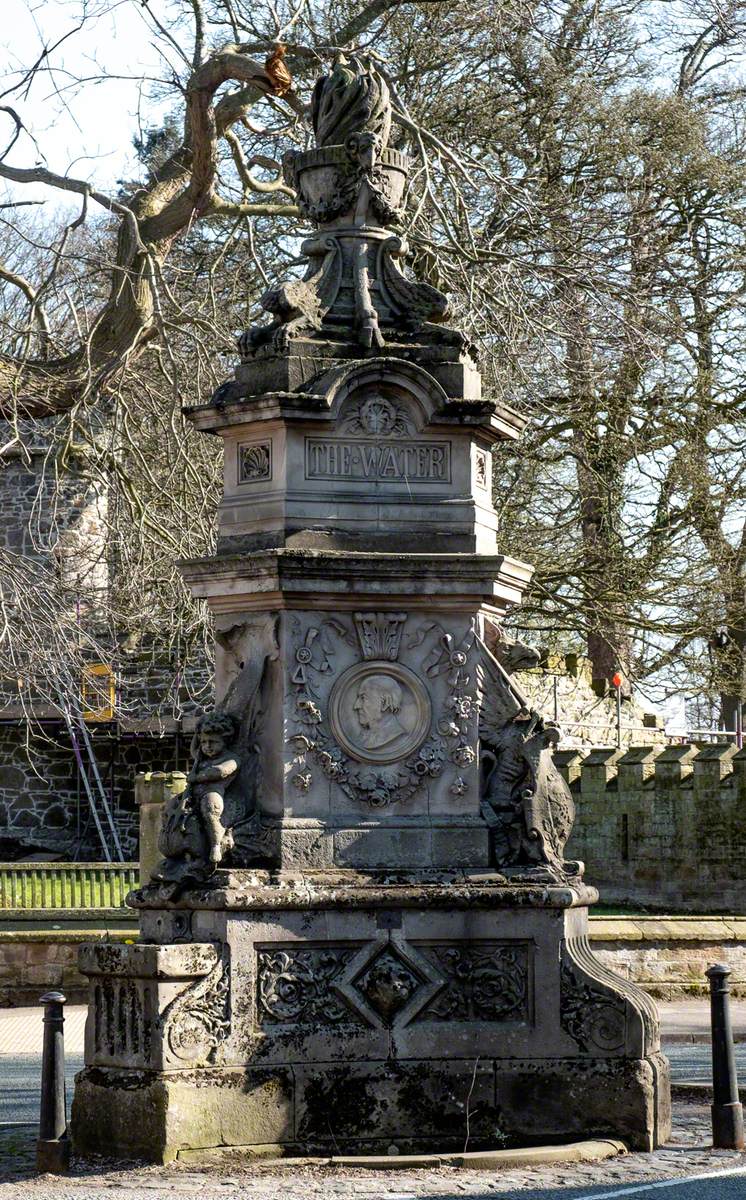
x=193, y=838
x=215, y=766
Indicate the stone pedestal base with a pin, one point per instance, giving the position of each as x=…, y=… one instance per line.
x=331, y=1015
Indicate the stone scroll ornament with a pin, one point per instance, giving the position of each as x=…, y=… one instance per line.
x=377, y=737
x=525, y=801
x=351, y=185
x=198, y=1021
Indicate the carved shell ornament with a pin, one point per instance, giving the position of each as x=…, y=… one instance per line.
x=376, y=416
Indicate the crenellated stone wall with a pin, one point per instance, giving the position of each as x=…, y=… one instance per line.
x=664, y=827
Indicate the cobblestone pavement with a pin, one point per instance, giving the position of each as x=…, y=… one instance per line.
x=687, y=1153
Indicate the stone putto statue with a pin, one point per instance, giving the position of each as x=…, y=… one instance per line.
x=194, y=840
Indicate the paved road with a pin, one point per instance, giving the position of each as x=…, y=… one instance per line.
x=703, y=1174
x=692, y=1061
x=730, y=1185
x=19, y=1086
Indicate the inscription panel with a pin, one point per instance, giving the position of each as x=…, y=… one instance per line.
x=396, y=462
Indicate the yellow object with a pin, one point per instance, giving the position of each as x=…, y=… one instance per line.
x=98, y=692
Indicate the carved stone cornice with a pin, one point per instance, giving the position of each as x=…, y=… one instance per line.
x=287, y=577
x=246, y=890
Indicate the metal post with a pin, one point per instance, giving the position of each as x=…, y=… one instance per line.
x=53, y=1146
x=727, y=1114
x=619, y=718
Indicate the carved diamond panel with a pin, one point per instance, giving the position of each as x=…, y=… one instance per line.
x=392, y=982
x=388, y=983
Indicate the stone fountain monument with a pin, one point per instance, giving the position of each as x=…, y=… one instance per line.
x=363, y=932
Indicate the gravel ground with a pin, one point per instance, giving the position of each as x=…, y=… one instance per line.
x=687, y=1153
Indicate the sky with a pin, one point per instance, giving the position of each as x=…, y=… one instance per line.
x=84, y=131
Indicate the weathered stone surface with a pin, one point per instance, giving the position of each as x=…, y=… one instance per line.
x=410, y=998
x=663, y=827
x=400, y=944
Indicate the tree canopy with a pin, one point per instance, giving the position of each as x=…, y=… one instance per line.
x=579, y=190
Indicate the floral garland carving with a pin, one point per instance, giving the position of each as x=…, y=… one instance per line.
x=382, y=785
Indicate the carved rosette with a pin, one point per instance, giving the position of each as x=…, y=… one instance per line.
x=374, y=732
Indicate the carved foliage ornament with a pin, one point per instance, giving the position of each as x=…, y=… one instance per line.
x=594, y=1018
x=296, y=986
x=198, y=1021
x=484, y=983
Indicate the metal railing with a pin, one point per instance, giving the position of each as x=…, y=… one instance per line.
x=66, y=885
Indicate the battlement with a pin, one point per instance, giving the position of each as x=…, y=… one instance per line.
x=663, y=826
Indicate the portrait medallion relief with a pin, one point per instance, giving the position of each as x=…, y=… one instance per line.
x=379, y=712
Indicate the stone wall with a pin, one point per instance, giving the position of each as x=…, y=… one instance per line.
x=662, y=827
x=43, y=807
x=668, y=956
x=38, y=958
x=563, y=691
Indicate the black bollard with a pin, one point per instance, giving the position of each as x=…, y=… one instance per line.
x=53, y=1146
x=727, y=1114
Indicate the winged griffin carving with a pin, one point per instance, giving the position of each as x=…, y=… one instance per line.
x=525, y=801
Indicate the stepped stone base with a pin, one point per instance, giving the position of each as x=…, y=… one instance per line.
x=321, y=1015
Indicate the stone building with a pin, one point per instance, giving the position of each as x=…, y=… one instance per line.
x=59, y=519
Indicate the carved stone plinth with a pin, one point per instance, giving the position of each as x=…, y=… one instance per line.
x=363, y=930
x=338, y=1014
